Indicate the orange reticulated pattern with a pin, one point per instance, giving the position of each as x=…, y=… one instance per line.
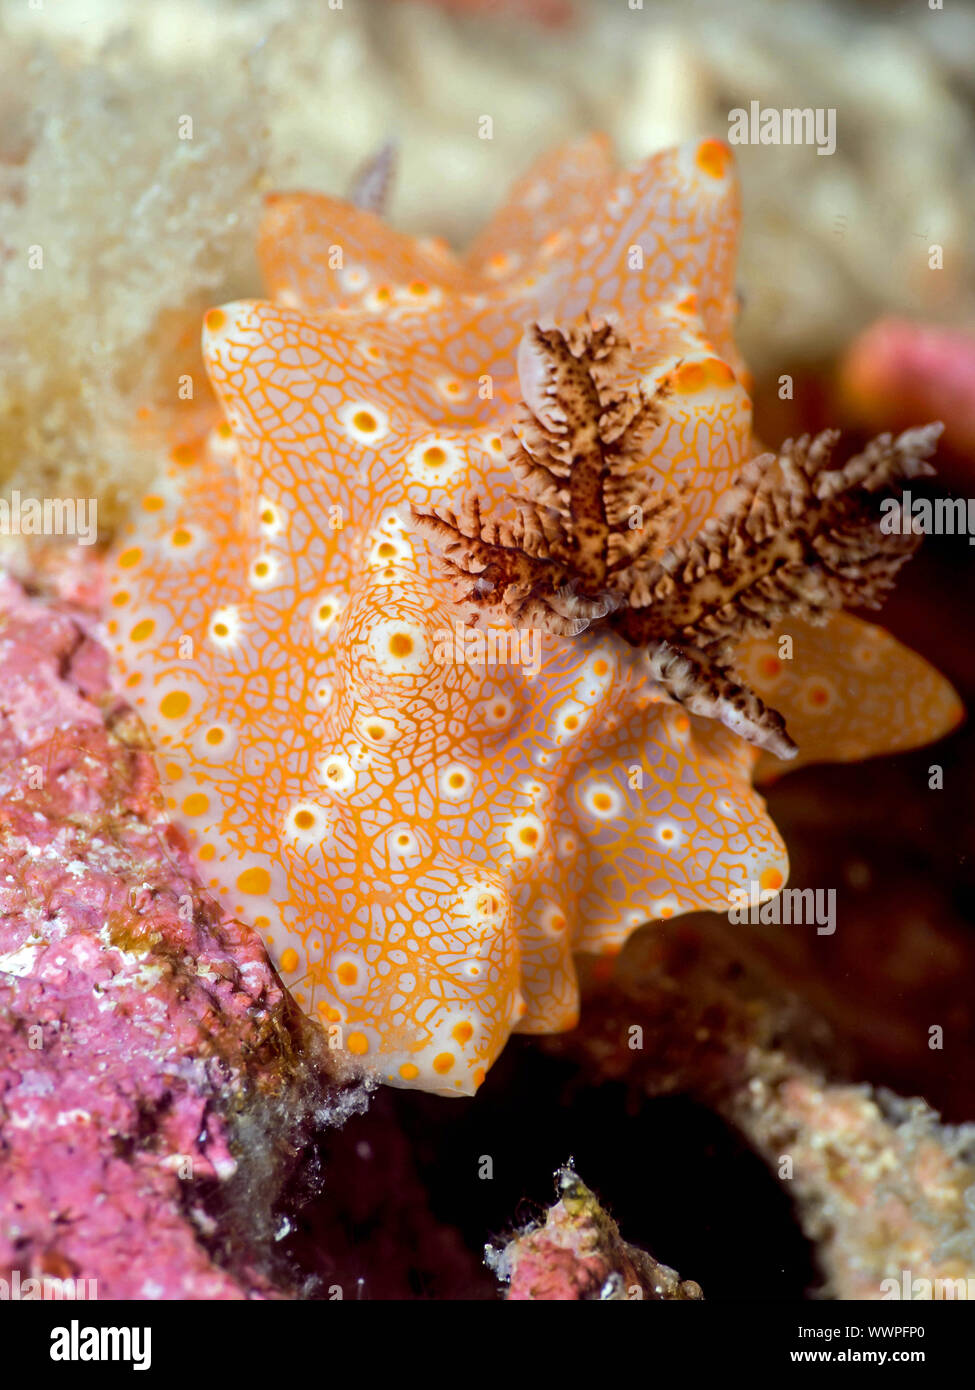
x=425, y=829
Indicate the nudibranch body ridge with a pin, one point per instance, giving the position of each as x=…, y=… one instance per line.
x=426, y=823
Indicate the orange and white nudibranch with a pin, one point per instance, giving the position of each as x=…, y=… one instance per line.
x=425, y=841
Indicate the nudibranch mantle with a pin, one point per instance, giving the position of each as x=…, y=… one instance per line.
x=427, y=824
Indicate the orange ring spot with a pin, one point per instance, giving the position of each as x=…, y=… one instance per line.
x=689, y=377
x=717, y=372
x=713, y=158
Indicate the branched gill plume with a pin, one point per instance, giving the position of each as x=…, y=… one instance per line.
x=591, y=543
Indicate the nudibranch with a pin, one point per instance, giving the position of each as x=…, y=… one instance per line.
x=426, y=829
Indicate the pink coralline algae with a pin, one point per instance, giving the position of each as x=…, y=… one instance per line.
x=902, y=371
x=137, y=1022
x=577, y=1254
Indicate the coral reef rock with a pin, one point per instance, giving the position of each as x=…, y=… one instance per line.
x=578, y=1253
